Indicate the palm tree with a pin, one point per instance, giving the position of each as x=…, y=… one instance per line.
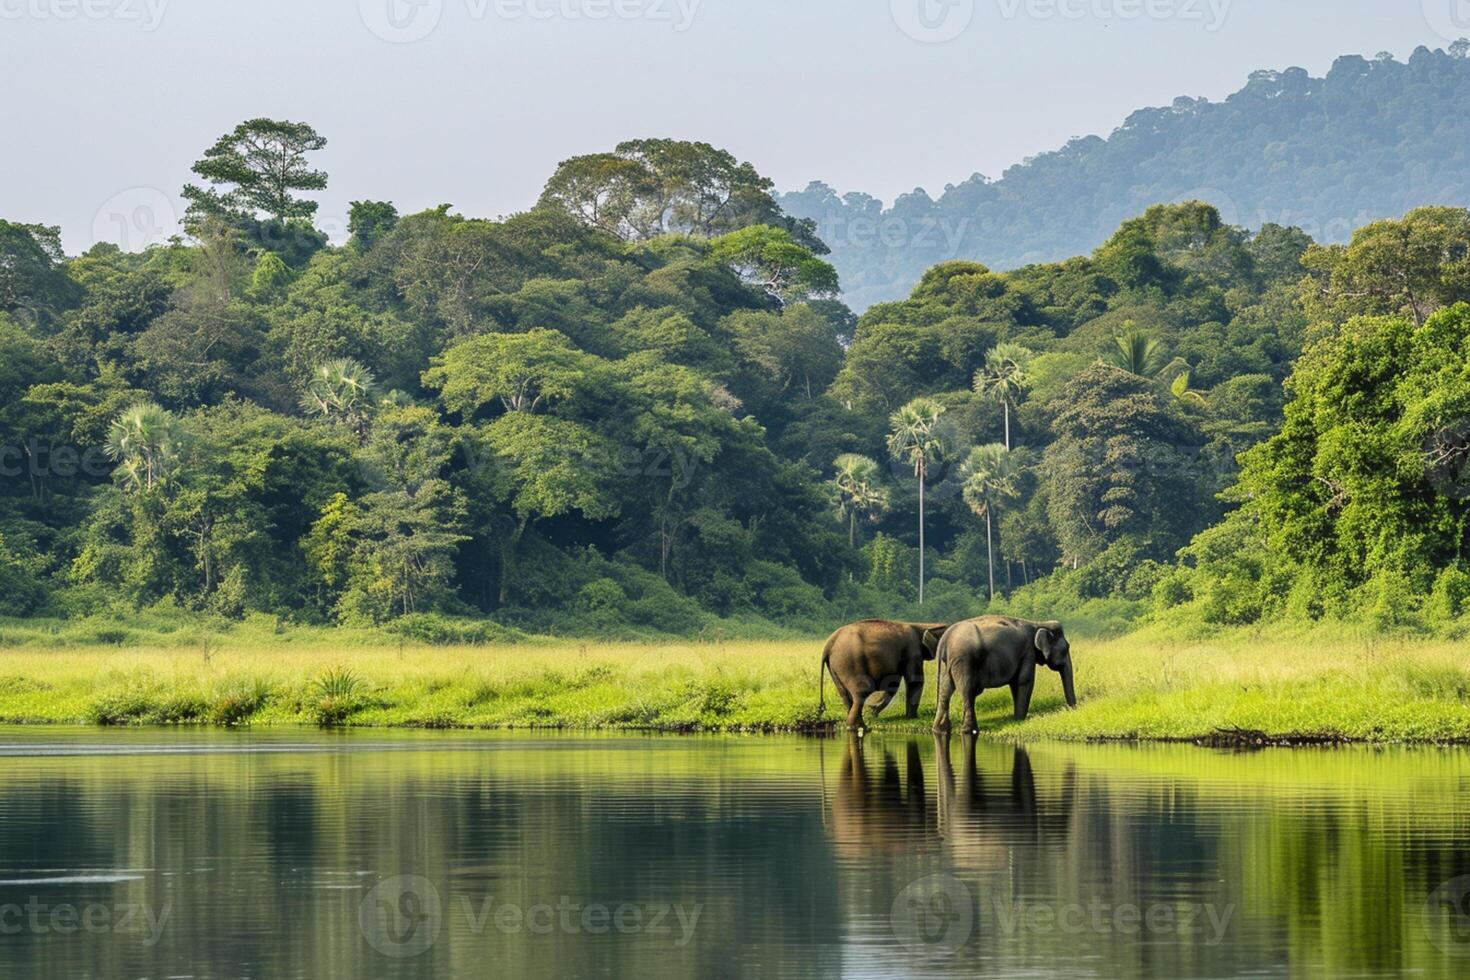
x=145, y=442
x=914, y=438
x=340, y=391
x=1181, y=390
x=857, y=491
x=991, y=476
x=1003, y=378
x=1137, y=352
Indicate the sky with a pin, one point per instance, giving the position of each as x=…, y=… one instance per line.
x=104, y=104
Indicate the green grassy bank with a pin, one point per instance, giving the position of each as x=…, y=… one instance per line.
x=1322, y=685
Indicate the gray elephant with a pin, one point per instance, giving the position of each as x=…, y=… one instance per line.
x=876, y=655
x=999, y=651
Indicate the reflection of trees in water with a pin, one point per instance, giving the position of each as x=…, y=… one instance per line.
x=265, y=864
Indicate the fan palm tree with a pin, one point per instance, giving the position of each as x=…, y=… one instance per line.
x=341, y=391
x=914, y=438
x=992, y=474
x=1004, y=379
x=857, y=491
x=1137, y=352
x=145, y=442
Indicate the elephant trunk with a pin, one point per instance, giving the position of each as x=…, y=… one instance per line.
x=1067, y=689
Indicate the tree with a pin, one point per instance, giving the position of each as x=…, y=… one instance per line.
x=991, y=476
x=771, y=260
x=1411, y=267
x=647, y=188
x=367, y=221
x=1136, y=352
x=146, y=442
x=1003, y=378
x=555, y=466
x=32, y=283
x=1123, y=464
x=522, y=371
x=341, y=391
x=260, y=164
x=857, y=491
x=914, y=439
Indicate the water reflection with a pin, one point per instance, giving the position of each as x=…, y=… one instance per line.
x=458, y=857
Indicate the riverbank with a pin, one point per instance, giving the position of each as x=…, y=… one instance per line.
x=1235, y=688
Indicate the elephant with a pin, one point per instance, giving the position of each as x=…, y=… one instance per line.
x=875, y=655
x=996, y=651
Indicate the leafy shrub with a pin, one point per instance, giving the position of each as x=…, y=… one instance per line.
x=335, y=696
x=436, y=629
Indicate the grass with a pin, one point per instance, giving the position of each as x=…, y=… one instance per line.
x=1330, y=685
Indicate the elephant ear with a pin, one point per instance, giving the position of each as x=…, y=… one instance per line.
x=1043, y=643
x=930, y=641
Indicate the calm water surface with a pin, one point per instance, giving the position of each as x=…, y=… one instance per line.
x=281, y=855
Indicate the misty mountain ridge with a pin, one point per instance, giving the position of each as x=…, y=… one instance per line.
x=1373, y=139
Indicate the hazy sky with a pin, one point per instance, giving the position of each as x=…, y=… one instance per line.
x=107, y=102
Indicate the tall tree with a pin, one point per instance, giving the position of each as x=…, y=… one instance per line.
x=1003, y=378
x=914, y=439
x=857, y=491
x=260, y=165
x=341, y=391
x=145, y=441
x=1137, y=352
x=991, y=477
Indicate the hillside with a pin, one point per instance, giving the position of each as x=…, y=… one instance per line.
x=1373, y=139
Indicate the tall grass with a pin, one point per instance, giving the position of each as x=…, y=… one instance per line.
x=1328, y=683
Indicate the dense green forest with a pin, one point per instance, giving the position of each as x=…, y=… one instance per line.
x=1371, y=140
x=638, y=408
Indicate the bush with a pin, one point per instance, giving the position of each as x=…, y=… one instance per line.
x=436, y=629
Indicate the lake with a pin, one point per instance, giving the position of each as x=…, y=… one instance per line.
x=281, y=854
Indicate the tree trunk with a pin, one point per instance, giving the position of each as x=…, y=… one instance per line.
x=990, y=554
x=1007, y=404
x=921, y=539
x=852, y=529
x=508, y=559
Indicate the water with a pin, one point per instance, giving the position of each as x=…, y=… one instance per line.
x=278, y=855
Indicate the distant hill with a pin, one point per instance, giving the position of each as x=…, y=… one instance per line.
x=1371, y=140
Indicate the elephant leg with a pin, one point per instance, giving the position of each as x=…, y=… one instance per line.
x=1021, y=695
x=942, y=697
x=970, y=693
x=861, y=689
x=914, y=693
x=888, y=691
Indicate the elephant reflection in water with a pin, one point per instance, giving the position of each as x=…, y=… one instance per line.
x=883, y=811
x=989, y=821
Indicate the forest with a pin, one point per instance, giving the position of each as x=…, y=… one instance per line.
x=642, y=409
x=1370, y=140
